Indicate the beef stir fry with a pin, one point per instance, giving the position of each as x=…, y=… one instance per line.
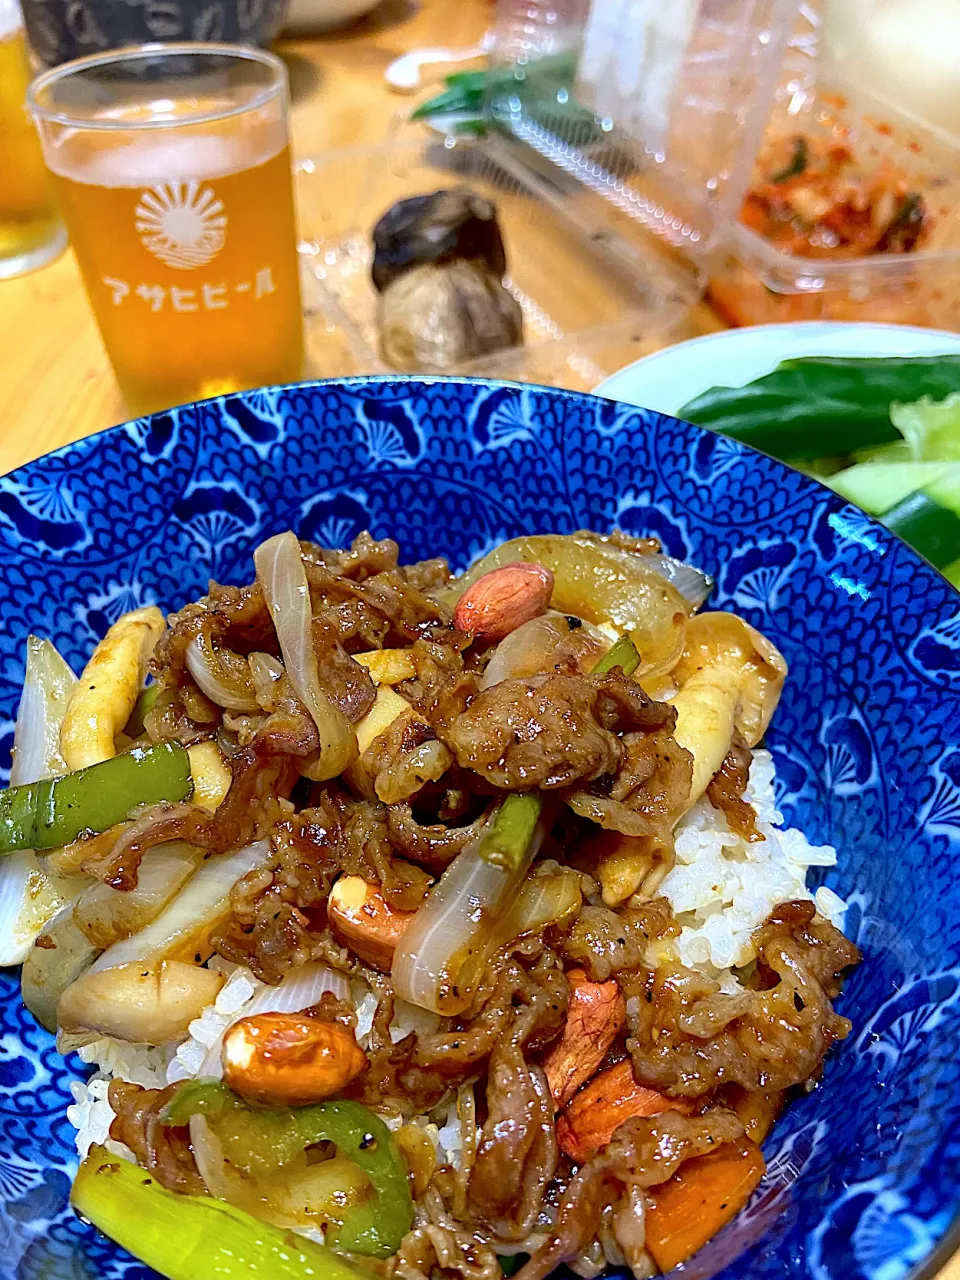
x=437, y=919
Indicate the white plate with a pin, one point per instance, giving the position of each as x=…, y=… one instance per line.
x=669, y=379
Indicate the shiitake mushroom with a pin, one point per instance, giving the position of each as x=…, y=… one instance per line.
x=438, y=265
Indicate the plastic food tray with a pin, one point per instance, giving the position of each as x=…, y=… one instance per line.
x=758, y=283
x=676, y=163
x=591, y=302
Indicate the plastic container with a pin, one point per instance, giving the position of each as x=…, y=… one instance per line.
x=590, y=301
x=666, y=117
x=755, y=282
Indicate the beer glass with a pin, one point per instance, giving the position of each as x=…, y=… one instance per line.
x=31, y=232
x=172, y=168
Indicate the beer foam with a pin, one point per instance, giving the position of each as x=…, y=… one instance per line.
x=10, y=20
x=151, y=158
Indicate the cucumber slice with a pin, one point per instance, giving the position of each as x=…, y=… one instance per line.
x=878, y=486
x=929, y=519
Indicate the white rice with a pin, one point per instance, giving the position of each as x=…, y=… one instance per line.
x=721, y=889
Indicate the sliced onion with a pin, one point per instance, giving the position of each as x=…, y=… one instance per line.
x=106, y=915
x=36, y=738
x=281, y=573
x=182, y=930
x=300, y=989
x=532, y=648
x=212, y=678
x=99, y=917
x=543, y=900
x=29, y=895
x=692, y=583
x=456, y=930
x=48, y=971
x=265, y=671
x=211, y=1164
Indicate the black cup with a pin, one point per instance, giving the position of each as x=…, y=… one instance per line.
x=59, y=30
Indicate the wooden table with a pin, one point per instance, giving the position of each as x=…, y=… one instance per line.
x=55, y=380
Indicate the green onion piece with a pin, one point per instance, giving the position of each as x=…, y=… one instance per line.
x=623, y=655
x=510, y=830
x=193, y=1237
x=45, y=815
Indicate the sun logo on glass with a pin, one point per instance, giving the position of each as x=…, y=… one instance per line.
x=182, y=224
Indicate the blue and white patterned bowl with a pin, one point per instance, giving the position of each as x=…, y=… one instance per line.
x=864, y=1175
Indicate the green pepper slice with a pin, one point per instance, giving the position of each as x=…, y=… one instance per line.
x=193, y=1237
x=259, y=1140
x=45, y=815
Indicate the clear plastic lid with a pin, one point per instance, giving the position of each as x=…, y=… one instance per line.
x=660, y=107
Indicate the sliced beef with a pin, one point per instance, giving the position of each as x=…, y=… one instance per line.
x=609, y=942
x=644, y=1152
x=688, y=1037
x=727, y=787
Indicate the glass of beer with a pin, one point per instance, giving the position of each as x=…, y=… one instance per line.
x=172, y=167
x=31, y=232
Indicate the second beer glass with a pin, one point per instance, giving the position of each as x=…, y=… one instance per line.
x=173, y=173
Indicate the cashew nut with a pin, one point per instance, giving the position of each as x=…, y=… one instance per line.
x=101, y=701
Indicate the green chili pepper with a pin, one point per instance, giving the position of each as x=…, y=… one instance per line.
x=260, y=1141
x=45, y=815
x=798, y=163
x=815, y=407
x=623, y=655
x=193, y=1237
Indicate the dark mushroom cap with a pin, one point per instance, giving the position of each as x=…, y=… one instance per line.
x=447, y=226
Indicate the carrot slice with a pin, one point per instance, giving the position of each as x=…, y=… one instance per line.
x=701, y=1197
x=598, y=1110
